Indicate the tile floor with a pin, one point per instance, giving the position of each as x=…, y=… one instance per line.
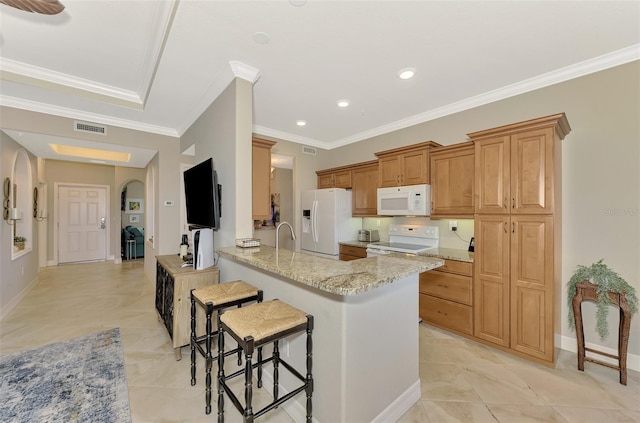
x=462, y=381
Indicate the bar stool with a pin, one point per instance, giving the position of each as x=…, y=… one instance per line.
x=215, y=298
x=255, y=326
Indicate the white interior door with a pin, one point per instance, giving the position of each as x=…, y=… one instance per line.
x=82, y=224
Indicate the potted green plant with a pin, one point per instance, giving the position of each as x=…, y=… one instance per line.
x=607, y=280
x=19, y=241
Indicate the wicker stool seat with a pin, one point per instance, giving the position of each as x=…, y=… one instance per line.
x=253, y=327
x=216, y=298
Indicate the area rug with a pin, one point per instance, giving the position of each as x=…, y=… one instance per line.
x=79, y=380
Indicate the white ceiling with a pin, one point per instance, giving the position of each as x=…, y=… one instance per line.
x=157, y=65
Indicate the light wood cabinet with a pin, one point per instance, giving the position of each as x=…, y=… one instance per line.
x=405, y=166
x=491, y=279
x=516, y=166
x=361, y=178
x=173, y=297
x=261, y=177
x=365, y=189
x=517, y=242
x=334, y=178
x=446, y=296
x=452, y=181
x=351, y=252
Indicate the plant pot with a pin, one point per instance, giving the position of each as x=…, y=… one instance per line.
x=19, y=245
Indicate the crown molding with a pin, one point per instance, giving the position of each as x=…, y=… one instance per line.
x=600, y=63
x=274, y=133
x=244, y=71
x=33, y=106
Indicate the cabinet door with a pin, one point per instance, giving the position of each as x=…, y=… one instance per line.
x=452, y=183
x=532, y=285
x=491, y=279
x=415, y=168
x=261, y=178
x=492, y=163
x=343, y=179
x=365, y=190
x=389, y=169
x=325, y=180
x=532, y=172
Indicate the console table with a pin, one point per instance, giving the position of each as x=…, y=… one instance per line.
x=586, y=291
x=173, y=302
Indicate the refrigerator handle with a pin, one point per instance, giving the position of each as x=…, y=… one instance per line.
x=314, y=221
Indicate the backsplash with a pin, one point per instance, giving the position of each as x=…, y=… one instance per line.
x=448, y=239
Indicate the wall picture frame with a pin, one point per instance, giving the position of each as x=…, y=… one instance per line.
x=134, y=218
x=134, y=205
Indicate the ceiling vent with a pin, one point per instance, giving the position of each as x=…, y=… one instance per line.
x=308, y=150
x=90, y=128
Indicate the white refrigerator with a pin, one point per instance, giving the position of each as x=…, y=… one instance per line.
x=326, y=220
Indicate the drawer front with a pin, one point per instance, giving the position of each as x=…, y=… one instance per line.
x=447, y=285
x=446, y=313
x=350, y=250
x=459, y=267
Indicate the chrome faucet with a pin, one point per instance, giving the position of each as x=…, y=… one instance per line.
x=293, y=235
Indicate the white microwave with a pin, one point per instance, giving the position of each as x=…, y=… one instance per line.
x=410, y=200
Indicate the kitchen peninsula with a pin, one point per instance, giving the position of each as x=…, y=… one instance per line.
x=365, y=340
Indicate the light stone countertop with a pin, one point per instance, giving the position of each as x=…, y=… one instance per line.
x=353, y=243
x=337, y=277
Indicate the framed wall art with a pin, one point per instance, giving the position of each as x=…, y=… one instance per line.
x=134, y=205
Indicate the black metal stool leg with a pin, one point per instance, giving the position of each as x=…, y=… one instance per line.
x=259, y=367
x=193, y=339
x=208, y=361
x=248, y=381
x=309, y=378
x=276, y=370
x=220, y=372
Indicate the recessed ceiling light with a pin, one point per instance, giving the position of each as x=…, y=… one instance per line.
x=261, y=38
x=301, y=122
x=406, y=73
x=298, y=3
x=343, y=103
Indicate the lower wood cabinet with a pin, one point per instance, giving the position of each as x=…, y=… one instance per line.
x=350, y=252
x=446, y=296
x=173, y=297
x=514, y=289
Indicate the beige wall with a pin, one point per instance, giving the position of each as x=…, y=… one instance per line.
x=16, y=276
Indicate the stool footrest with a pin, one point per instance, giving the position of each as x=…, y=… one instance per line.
x=616, y=357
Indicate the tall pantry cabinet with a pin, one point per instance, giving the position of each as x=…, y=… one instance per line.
x=518, y=234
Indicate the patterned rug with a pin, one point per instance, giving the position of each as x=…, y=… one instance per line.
x=79, y=380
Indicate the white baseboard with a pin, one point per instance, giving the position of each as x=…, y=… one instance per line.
x=392, y=413
x=118, y=260
x=401, y=405
x=16, y=300
x=571, y=344
x=52, y=262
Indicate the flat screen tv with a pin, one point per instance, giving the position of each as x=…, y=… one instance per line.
x=203, y=196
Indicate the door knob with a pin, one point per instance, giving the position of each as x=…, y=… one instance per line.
x=103, y=222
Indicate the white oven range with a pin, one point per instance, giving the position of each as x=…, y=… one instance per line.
x=407, y=239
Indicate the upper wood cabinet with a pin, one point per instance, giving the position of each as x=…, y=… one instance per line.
x=362, y=178
x=405, y=166
x=452, y=181
x=261, y=178
x=365, y=189
x=515, y=166
x=334, y=178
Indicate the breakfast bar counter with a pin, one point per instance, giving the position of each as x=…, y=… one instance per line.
x=365, y=339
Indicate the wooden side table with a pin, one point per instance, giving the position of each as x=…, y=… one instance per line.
x=586, y=291
x=173, y=297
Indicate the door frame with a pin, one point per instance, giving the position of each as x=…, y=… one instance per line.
x=56, y=223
